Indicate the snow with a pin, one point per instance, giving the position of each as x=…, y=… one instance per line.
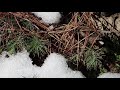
x=20, y=66
x=15, y=66
x=55, y=66
x=48, y=17
x=109, y=75
x=101, y=42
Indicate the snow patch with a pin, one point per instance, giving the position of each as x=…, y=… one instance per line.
x=15, y=66
x=48, y=17
x=55, y=66
x=109, y=75
x=20, y=66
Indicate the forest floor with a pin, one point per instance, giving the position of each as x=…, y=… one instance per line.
x=91, y=46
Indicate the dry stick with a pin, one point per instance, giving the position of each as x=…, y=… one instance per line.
x=72, y=18
x=78, y=51
x=66, y=28
x=38, y=23
x=76, y=19
x=5, y=23
x=49, y=47
x=86, y=40
x=61, y=27
x=81, y=19
x=94, y=41
x=81, y=40
x=70, y=37
x=31, y=32
x=57, y=46
x=94, y=31
x=18, y=23
x=63, y=30
x=68, y=43
x=3, y=27
x=12, y=26
x=85, y=44
x=55, y=38
x=65, y=35
x=90, y=22
x=33, y=20
x=93, y=26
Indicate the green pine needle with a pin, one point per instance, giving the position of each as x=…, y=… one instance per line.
x=36, y=46
x=92, y=59
x=15, y=45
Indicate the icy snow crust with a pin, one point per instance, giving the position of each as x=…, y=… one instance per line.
x=20, y=66
x=48, y=17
